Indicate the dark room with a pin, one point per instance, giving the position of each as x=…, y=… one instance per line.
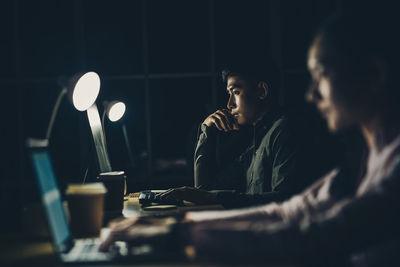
x=199, y=133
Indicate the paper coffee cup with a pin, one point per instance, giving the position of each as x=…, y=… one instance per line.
x=86, y=205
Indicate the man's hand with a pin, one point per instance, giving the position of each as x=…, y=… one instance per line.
x=138, y=230
x=191, y=194
x=223, y=120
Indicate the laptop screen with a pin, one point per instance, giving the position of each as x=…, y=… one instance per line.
x=50, y=196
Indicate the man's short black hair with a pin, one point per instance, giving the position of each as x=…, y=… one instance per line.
x=254, y=70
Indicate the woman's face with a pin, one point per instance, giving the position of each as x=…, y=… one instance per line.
x=334, y=88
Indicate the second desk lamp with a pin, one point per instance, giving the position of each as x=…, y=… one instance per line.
x=114, y=111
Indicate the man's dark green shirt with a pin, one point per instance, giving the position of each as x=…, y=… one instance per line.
x=268, y=170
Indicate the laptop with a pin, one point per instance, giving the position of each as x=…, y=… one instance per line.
x=69, y=249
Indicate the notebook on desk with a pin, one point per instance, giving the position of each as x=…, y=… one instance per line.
x=69, y=249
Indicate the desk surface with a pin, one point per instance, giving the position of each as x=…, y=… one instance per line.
x=132, y=207
x=22, y=249
x=19, y=250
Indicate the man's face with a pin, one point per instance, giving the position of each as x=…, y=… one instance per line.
x=243, y=102
x=332, y=87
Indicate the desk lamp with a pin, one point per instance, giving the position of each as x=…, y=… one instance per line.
x=115, y=110
x=83, y=90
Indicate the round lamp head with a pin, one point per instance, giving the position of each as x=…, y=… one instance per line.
x=85, y=90
x=115, y=110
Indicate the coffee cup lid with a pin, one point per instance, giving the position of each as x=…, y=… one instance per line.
x=89, y=188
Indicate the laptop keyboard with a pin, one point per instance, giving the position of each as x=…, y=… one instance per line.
x=87, y=250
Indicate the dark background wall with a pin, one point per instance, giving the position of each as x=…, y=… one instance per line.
x=160, y=57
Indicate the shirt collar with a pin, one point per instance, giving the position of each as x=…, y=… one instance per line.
x=266, y=120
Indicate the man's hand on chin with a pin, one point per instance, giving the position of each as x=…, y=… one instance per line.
x=223, y=120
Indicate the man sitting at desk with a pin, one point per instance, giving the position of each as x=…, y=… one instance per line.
x=273, y=166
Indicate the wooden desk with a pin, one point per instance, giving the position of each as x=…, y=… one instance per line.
x=24, y=249
x=19, y=250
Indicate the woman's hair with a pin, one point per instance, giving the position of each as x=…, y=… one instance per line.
x=363, y=38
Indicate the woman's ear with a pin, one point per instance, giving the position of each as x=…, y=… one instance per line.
x=262, y=90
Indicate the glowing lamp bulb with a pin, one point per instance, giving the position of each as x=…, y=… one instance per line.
x=116, y=111
x=86, y=91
